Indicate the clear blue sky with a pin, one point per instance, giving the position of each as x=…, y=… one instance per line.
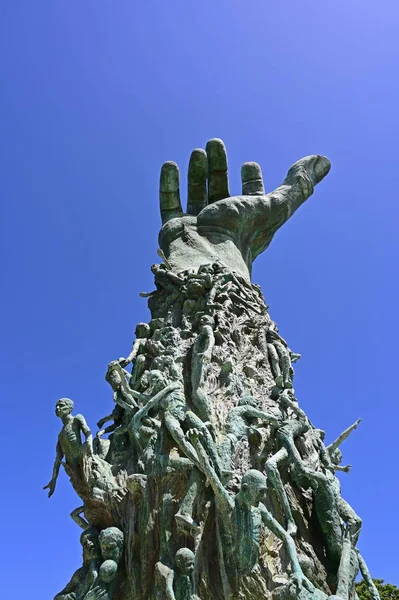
x=95, y=95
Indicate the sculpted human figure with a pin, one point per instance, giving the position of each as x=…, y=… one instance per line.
x=184, y=560
x=169, y=286
x=69, y=445
x=206, y=316
x=176, y=582
x=111, y=545
x=292, y=355
x=166, y=279
x=118, y=379
x=367, y=577
x=241, y=519
x=177, y=416
x=280, y=359
x=142, y=333
x=288, y=431
x=118, y=442
x=332, y=456
x=117, y=419
x=344, y=579
x=330, y=507
x=178, y=419
x=326, y=483
x=201, y=359
x=84, y=577
x=233, y=289
x=200, y=282
x=239, y=424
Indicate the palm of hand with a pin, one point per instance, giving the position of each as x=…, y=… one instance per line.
x=217, y=227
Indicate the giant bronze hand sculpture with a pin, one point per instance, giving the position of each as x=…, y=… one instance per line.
x=212, y=410
x=231, y=229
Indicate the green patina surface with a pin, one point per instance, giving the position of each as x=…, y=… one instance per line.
x=212, y=483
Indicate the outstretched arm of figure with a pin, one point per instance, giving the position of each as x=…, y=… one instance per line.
x=68, y=593
x=367, y=577
x=85, y=430
x=124, y=362
x=225, y=501
x=104, y=420
x=252, y=412
x=157, y=398
x=121, y=401
x=56, y=469
x=289, y=544
x=153, y=403
x=345, y=469
x=287, y=402
x=341, y=438
x=109, y=429
x=177, y=433
x=76, y=516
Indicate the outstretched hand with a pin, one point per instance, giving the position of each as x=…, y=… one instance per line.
x=51, y=487
x=97, y=593
x=233, y=230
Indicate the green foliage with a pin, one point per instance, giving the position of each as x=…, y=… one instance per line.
x=387, y=591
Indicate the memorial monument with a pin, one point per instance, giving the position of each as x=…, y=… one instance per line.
x=212, y=484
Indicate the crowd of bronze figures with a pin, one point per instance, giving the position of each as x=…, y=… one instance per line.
x=209, y=457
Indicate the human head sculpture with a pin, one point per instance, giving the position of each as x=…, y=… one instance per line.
x=184, y=559
x=156, y=380
x=205, y=269
x=253, y=488
x=90, y=544
x=144, y=383
x=107, y=570
x=142, y=330
x=335, y=455
x=114, y=375
x=111, y=543
x=218, y=267
x=63, y=407
x=155, y=268
x=207, y=320
x=320, y=434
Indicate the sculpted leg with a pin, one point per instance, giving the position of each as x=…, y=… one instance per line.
x=367, y=577
x=285, y=364
x=184, y=516
x=201, y=358
x=275, y=364
x=344, y=570
x=348, y=515
x=138, y=369
x=325, y=501
x=195, y=422
x=273, y=473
